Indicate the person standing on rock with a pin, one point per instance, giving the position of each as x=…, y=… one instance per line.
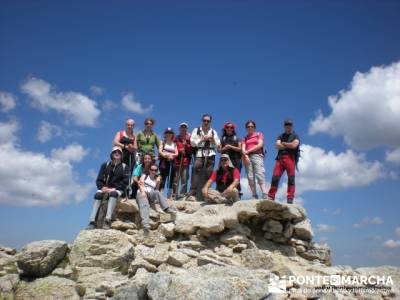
x=182, y=161
x=147, y=140
x=227, y=178
x=126, y=140
x=167, y=151
x=111, y=183
x=288, y=144
x=205, y=140
x=253, y=159
x=149, y=192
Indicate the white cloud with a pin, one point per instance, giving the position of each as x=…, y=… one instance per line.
x=8, y=131
x=7, y=101
x=393, y=156
x=325, y=228
x=131, y=104
x=72, y=153
x=337, y=212
x=397, y=231
x=366, y=114
x=76, y=107
x=368, y=221
x=47, y=131
x=392, y=244
x=322, y=171
x=97, y=90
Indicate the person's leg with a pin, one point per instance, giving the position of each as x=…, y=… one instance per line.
x=259, y=172
x=144, y=208
x=96, y=205
x=164, y=173
x=276, y=176
x=290, y=167
x=198, y=164
x=233, y=196
x=158, y=196
x=251, y=178
x=175, y=184
x=184, y=179
x=209, y=167
x=171, y=177
x=112, y=202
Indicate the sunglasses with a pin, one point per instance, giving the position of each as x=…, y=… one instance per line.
x=154, y=170
x=288, y=124
x=229, y=127
x=149, y=123
x=250, y=126
x=206, y=121
x=224, y=159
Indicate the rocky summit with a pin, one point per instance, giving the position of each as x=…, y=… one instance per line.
x=249, y=250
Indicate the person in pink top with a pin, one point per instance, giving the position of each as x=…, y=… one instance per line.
x=253, y=159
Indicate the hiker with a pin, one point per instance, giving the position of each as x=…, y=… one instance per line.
x=227, y=178
x=182, y=161
x=288, y=145
x=111, y=182
x=253, y=159
x=149, y=192
x=167, y=152
x=147, y=140
x=126, y=140
x=206, y=140
x=142, y=168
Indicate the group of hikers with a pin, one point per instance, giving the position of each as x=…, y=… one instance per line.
x=133, y=171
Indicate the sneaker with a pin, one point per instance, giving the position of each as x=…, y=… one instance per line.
x=170, y=210
x=190, y=198
x=107, y=224
x=289, y=201
x=92, y=225
x=265, y=196
x=255, y=196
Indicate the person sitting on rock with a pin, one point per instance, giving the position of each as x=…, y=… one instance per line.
x=111, y=183
x=227, y=178
x=142, y=168
x=149, y=192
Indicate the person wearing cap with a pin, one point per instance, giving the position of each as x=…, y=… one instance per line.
x=126, y=140
x=227, y=178
x=253, y=159
x=205, y=139
x=167, y=153
x=182, y=161
x=147, y=140
x=111, y=182
x=286, y=160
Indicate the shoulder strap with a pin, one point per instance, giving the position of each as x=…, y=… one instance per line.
x=198, y=130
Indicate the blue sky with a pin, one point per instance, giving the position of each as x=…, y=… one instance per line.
x=72, y=72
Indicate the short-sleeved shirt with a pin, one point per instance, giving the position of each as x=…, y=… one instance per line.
x=251, y=141
x=288, y=138
x=236, y=175
x=137, y=172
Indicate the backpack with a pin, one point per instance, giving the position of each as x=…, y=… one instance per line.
x=107, y=173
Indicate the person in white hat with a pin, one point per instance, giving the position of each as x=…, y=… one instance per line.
x=227, y=178
x=111, y=182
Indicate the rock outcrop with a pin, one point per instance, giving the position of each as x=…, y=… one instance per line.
x=207, y=252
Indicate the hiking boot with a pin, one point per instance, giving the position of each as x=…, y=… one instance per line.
x=146, y=229
x=92, y=225
x=171, y=210
x=289, y=201
x=255, y=196
x=107, y=224
x=190, y=198
x=265, y=196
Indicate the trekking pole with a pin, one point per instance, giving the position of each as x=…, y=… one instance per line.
x=179, y=175
x=128, y=190
x=169, y=178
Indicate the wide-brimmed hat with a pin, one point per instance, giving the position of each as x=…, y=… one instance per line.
x=228, y=158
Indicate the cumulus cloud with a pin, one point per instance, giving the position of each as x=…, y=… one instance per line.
x=393, y=156
x=132, y=105
x=325, y=228
x=322, y=171
x=108, y=105
x=367, y=113
x=34, y=179
x=368, y=221
x=96, y=90
x=72, y=153
x=77, y=107
x=47, y=131
x=8, y=131
x=392, y=244
x=7, y=101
